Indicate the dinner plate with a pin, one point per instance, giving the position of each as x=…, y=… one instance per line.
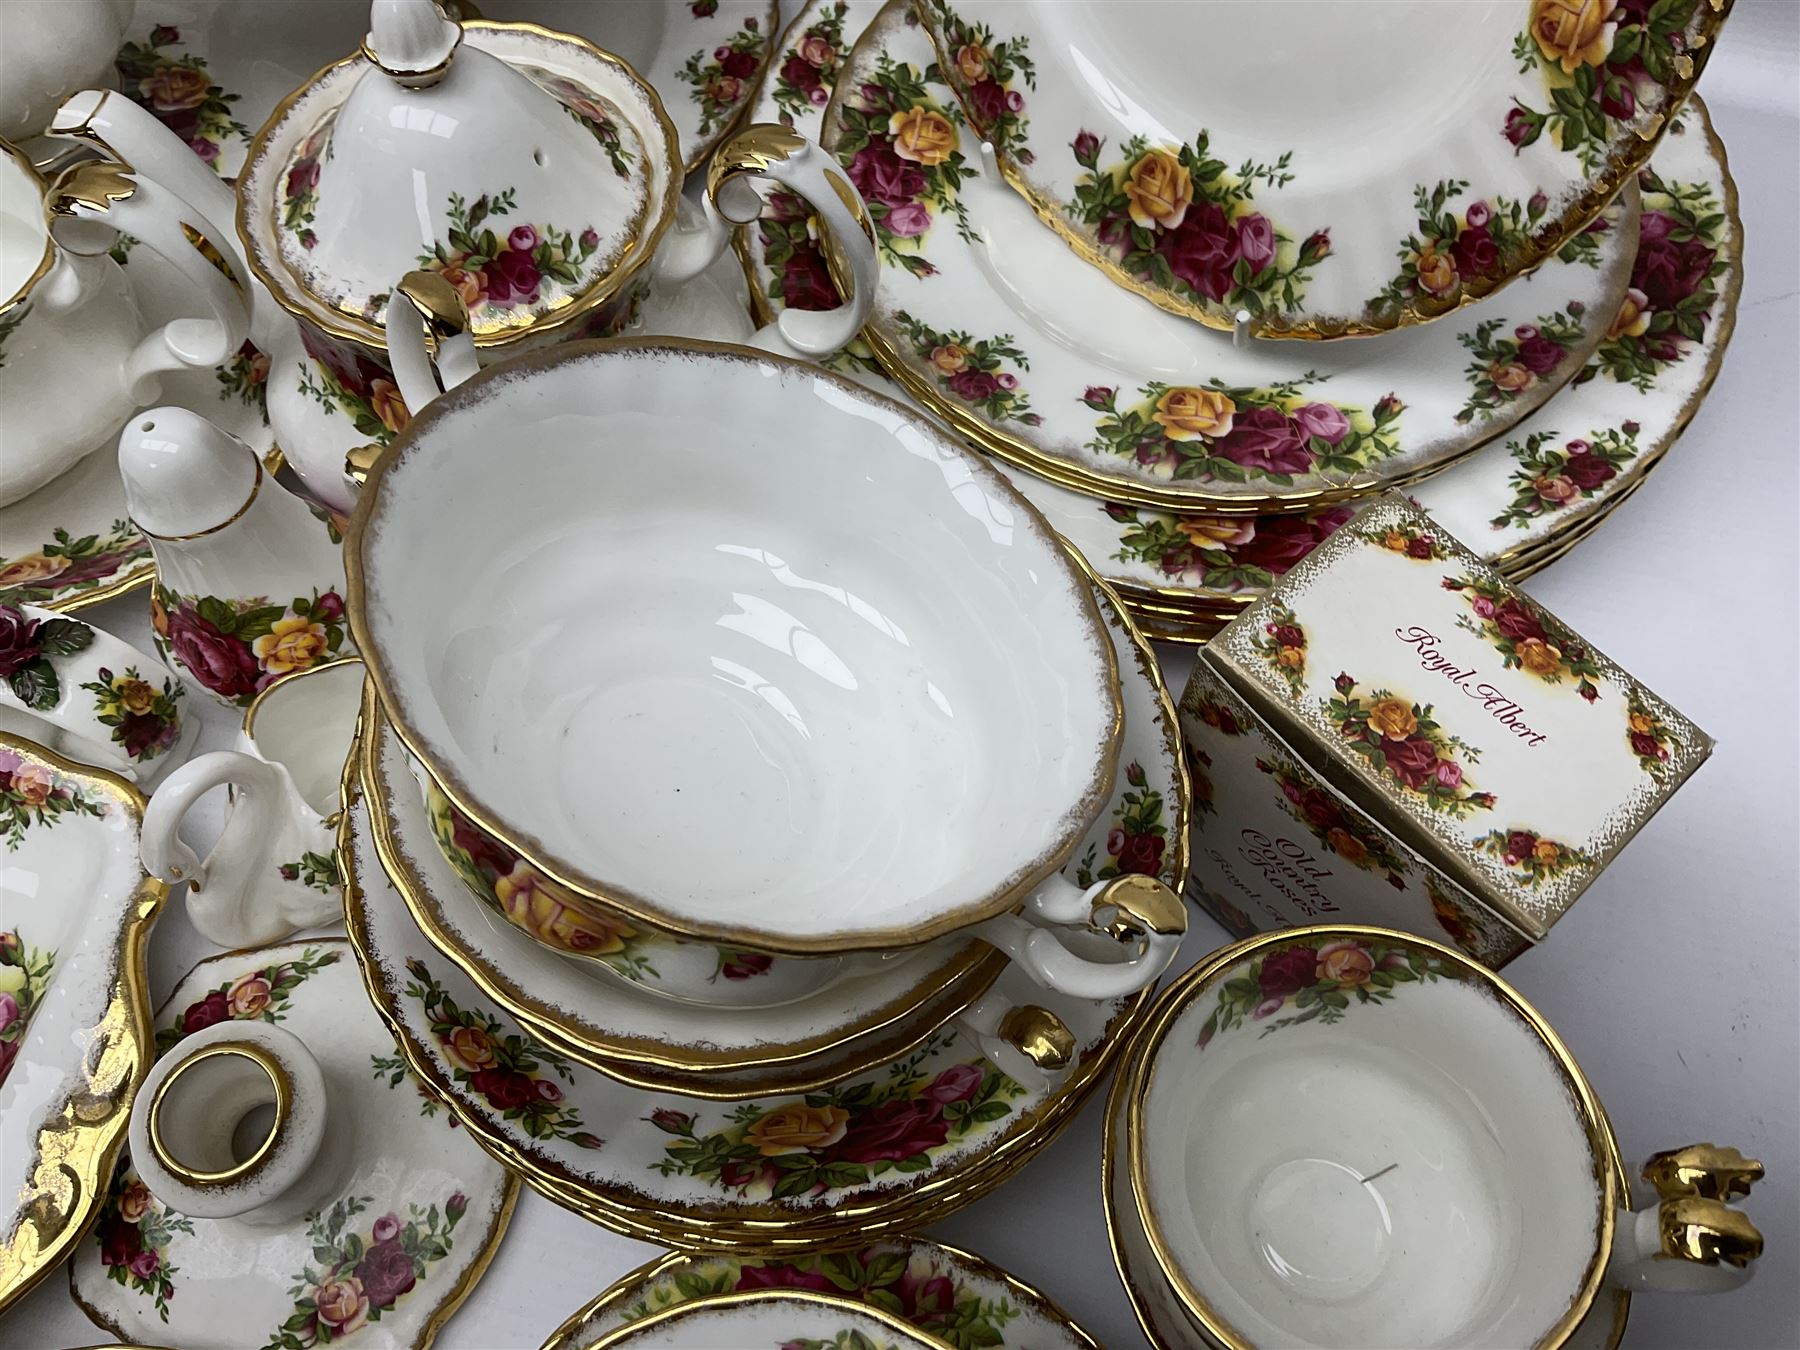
x=213, y=70
x=1315, y=168
x=990, y=323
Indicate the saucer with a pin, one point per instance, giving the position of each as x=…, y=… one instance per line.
x=75, y=913
x=71, y=543
x=146, y=1273
x=653, y=1042
x=1278, y=189
x=793, y=1319
x=989, y=321
x=213, y=70
x=884, y=1151
x=954, y=1295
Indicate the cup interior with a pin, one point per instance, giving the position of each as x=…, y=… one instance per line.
x=24, y=233
x=305, y=723
x=730, y=638
x=1357, y=1140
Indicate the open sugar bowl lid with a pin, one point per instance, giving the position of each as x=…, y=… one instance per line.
x=534, y=170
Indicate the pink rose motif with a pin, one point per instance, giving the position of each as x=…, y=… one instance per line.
x=1268, y=1008
x=1115, y=842
x=1324, y=420
x=1007, y=381
x=815, y=50
x=907, y=221
x=523, y=239
x=883, y=176
x=386, y=1228
x=1482, y=606
x=1479, y=214
x=145, y=1264
x=1449, y=773
x=547, y=1091
x=1256, y=242
x=958, y=1083
x=386, y=1272
x=818, y=97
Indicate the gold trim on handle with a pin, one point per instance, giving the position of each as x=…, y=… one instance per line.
x=1141, y=906
x=241, y=1171
x=1039, y=1035
x=1702, y=1169
x=1707, y=1232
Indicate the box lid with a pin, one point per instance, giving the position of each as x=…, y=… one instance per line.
x=1470, y=721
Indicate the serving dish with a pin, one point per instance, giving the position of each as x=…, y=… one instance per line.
x=212, y=70
x=1330, y=1224
x=940, y=1290
x=75, y=913
x=403, y=1220
x=1285, y=214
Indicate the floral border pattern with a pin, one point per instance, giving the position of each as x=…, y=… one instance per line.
x=133, y=1232
x=27, y=649
x=1447, y=250
x=259, y=996
x=24, y=976
x=1526, y=637
x=719, y=84
x=1137, y=839
x=32, y=793
x=145, y=720
x=1649, y=737
x=809, y=69
x=1282, y=643
x=179, y=92
x=1221, y=553
x=1549, y=477
x=1339, y=830
x=1402, y=742
x=1506, y=366
x=1537, y=857
x=70, y=566
x=1317, y=984
x=973, y=370
x=237, y=647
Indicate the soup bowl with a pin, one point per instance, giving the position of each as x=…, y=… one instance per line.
x=1354, y=1136
x=728, y=648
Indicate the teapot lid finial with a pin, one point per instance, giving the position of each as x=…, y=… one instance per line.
x=411, y=40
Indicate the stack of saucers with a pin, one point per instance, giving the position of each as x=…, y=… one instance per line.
x=730, y=883
x=1198, y=324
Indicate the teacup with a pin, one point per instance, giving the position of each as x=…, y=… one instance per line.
x=75, y=354
x=809, y=680
x=273, y=870
x=1353, y=1136
x=91, y=696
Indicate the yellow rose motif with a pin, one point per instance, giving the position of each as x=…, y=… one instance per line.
x=972, y=61
x=1160, y=190
x=547, y=911
x=293, y=643
x=1510, y=376
x=798, y=1129
x=159, y=616
x=470, y=1047
x=1539, y=657
x=30, y=569
x=134, y=1201
x=1216, y=532
x=1189, y=414
x=1345, y=964
x=1394, y=542
x=1346, y=845
x=1393, y=718
x=1437, y=273
x=135, y=696
x=923, y=136
x=1633, y=318
x=1573, y=33
x=384, y=398
x=249, y=996
x=32, y=784
x=1546, y=852
x=1641, y=724
x=1291, y=657
x=950, y=358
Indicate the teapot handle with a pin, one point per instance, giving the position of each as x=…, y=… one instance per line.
x=436, y=353
x=790, y=161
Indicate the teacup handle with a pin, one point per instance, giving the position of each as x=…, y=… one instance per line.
x=1030, y=1044
x=106, y=190
x=782, y=156
x=429, y=343
x=237, y=897
x=1142, y=917
x=1684, y=1238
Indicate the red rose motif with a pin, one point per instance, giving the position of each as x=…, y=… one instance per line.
x=1413, y=760
x=213, y=1008
x=223, y=664
x=974, y=386
x=386, y=1272
x=512, y=279
x=1516, y=622
x=1647, y=745
x=140, y=733
x=1202, y=250
x=892, y=1131
x=1475, y=252
x=1265, y=439
x=988, y=100
x=1320, y=809
x=1287, y=635
x=958, y=1083
x=18, y=640
x=805, y=284
x=882, y=176
x=781, y=1276
x=738, y=65
x=303, y=177
x=1282, y=541
x=1519, y=844
x=1539, y=354
x=1142, y=854
x=1418, y=548
x=800, y=73
x=120, y=1242
x=742, y=1172
x=1667, y=271
x=747, y=965
x=505, y=1089
x=932, y=1299
x=1288, y=971
x=1589, y=471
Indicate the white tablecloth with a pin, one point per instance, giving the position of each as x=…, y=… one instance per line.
x=1675, y=981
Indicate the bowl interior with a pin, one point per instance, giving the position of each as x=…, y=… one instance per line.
x=1367, y=1145
x=733, y=639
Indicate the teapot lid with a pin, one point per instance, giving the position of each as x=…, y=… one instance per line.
x=533, y=170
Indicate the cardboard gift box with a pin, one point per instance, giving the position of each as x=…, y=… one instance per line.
x=1395, y=735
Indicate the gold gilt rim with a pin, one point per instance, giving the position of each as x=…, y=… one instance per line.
x=1131, y=1092
x=78, y=1145
x=1634, y=149
x=279, y=1081
x=321, y=314
x=772, y=1230
x=48, y=258
x=490, y=1242
x=651, y=1064
x=906, y=1334
x=1066, y=473
x=629, y=1284
x=324, y=667
x=642, y=909
x=705, y=145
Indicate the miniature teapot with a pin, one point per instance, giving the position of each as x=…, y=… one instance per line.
x=536, y=173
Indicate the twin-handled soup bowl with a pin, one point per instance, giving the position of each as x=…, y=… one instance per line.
x=1352, y=1136
x=724, y=647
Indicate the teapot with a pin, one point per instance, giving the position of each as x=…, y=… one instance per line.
x=538, y=174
